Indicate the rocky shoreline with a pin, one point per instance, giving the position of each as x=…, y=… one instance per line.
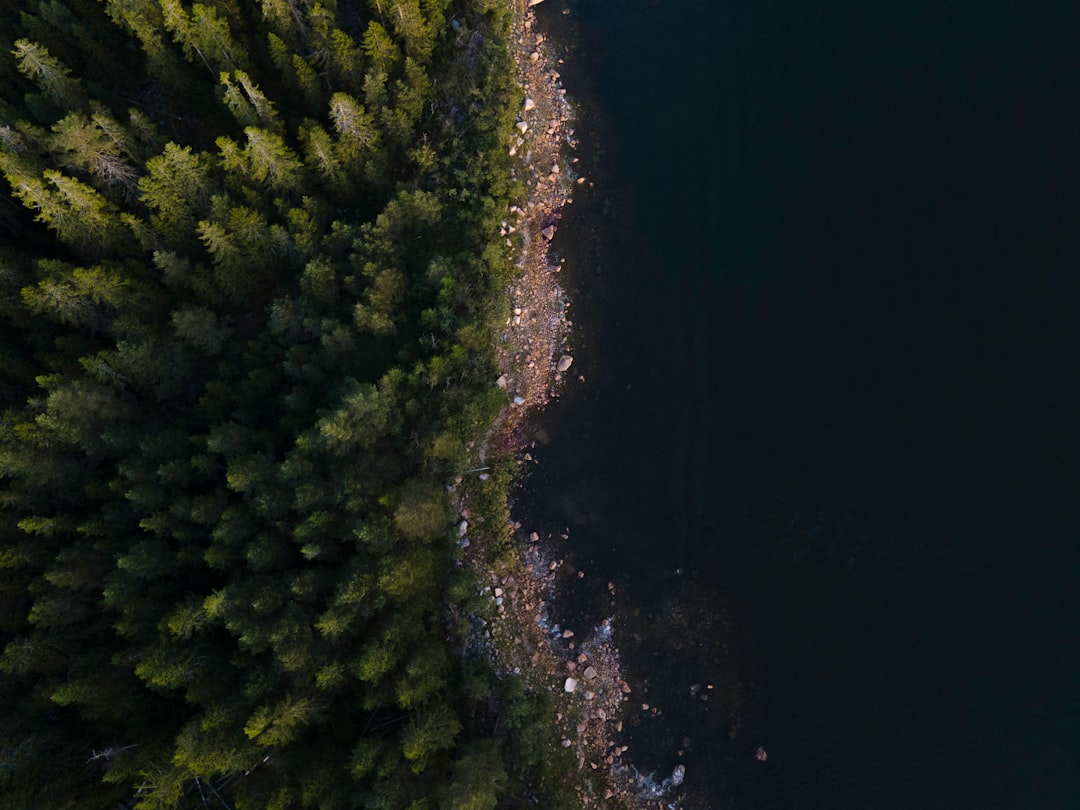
x=580, y=667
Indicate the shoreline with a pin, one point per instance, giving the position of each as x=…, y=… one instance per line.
x=579, y=668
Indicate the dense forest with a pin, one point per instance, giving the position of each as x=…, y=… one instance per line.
x=249, y=276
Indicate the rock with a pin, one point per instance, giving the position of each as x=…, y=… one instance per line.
x=462, y=528
x=535, y=2
x=534, y=57
x=590, y=672
x=548, y=232
x=534, y=537
x=678, y=775
x=498, y=592
x=564, y=363
x=570, y=685
x=502, y=381
x=529, y=104
x=522, y=127
x=567, y=633
x=519, y=400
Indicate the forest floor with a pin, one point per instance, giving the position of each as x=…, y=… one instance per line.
x=581, y=668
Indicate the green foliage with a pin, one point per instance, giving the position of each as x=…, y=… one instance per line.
x=428, y=733
x=245, y=264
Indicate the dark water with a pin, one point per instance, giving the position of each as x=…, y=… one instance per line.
x=833, y=377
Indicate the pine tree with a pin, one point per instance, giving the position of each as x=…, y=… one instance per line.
x=49, y=74
x=78, y=214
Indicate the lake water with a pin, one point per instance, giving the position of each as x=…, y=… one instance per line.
x=827, y=304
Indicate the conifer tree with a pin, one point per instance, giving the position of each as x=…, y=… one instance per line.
x=226, y=545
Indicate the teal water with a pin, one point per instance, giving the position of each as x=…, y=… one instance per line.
x=833, y=380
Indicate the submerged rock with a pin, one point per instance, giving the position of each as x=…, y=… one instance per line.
x=678, y=775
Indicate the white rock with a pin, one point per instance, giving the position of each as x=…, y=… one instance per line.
x=564, y=363
x=502, y=381
x=519, y=400
x=678, y=775
x=548, y=232
x=570, y=685
x=535, y=2
x=529, y=104
x=522, y=127
x=462, y=528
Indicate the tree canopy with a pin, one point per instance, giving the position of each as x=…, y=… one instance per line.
x=248, y=294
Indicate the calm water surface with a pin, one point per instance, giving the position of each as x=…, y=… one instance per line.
x=833, y=378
